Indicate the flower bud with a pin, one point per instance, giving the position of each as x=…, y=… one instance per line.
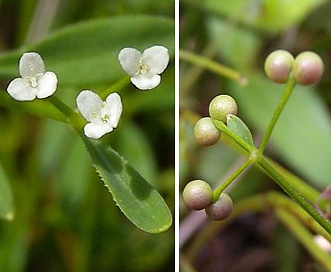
x=278, y=66
x=221, y=106
x=205, y=132
x=308, y=68
x=197, y=194
x=221, y=208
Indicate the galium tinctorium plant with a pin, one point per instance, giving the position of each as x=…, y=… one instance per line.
x=97, y=114
x=282, y=68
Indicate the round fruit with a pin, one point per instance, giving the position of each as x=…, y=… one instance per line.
x=197, y=194
x=308, y=68
x=221, y=106
x=278, y=66
x=205, y=132
x=221, y=208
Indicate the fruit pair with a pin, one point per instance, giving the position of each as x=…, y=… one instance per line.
x=220, y=107
x=307, y=68
x=198, y=195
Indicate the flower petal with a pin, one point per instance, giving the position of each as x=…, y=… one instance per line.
x=156, y=58
x=143, y=82
x=89, y=104
x=129, y=59
x=20, y=90
x=113, y=107
x=47, y=84
x=96, y=130
x=31, y=64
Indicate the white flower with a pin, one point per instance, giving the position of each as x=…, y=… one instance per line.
x=103, y=116
x=34, y=81
x=145, y=68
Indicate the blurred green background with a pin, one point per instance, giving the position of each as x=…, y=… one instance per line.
x=65, y=219
x=240, y=34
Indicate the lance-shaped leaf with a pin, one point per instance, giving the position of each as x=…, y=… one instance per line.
x=239, y=128
x=137, y=199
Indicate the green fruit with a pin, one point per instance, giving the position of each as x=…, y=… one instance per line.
x=221, y=208
x=308, y=68
x=278, y=66
x=205, y=132
x=197, y=194
x=221, y=106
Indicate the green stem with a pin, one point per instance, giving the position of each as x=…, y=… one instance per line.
x=213, y=66
x=62, y=107
x=223, y=127
x=217, y=192
x=190, y=76
x=305, y=237
x=310, y=193
x=73, y=118
x=267, y=167
x=286, y=95
x=280, y=201
x=116, y=87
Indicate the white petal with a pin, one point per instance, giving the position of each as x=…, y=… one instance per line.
x=20, y=90
x=129, y=59
x=97, y=130
x=113, y=107
x=143, y=82
x=31, y=64
x=156, y=58
x=47, y=84
x=89, y=104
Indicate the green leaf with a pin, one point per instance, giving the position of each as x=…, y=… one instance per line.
x=6, y=197
x=86, y=53
x=140, y=156
x=136, y=198
x=239, y=128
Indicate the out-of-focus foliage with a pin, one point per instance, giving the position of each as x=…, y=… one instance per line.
x=65, y=219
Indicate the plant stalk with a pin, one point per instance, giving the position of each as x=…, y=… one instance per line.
x=267, y=167
x=286, y=95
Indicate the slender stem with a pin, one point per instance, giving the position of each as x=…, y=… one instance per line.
x=287, y=92
x=73, y=118
x=223, y=127
x=276, y=174
x=213, y=66
x=116, y=87
x=217, y=192
x=305, y=237
x=310, y=193
x=62, y=107
x=280, y=201
x=190, y=76
x=267, y=167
